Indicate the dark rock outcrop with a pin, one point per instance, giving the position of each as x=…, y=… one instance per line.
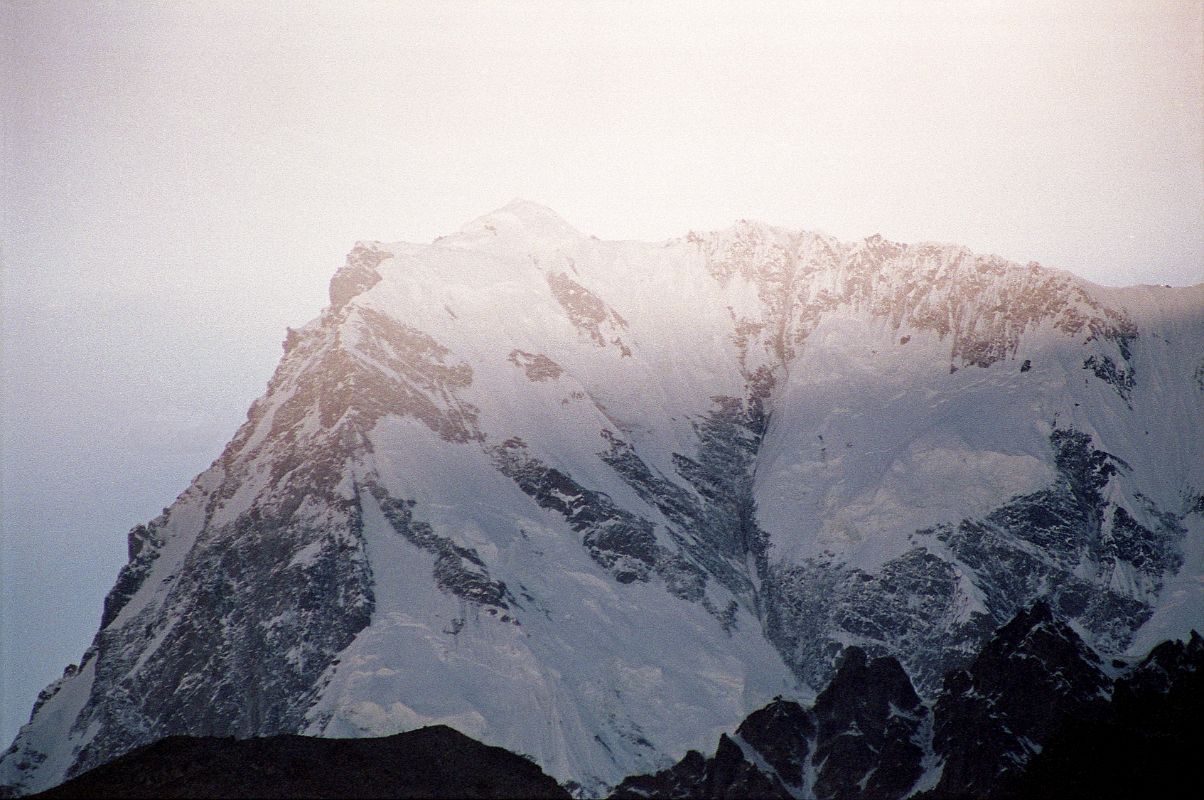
x=459, y=570
x=1033, y=716
x=1032, y=547
x=862, y=740
x=870, y=722
x=1145, y=745
x=991, y=718
x=783, y=734
x=729, y=774
x=358, y=275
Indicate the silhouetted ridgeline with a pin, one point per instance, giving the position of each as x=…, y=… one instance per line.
x=1034, y=715
x=434, y=762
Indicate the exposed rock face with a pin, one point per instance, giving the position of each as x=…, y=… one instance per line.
x=871, y=723
x=458, y=570
x=1143, y=745
x=1066, y=542
x=536, y=366
x=357, y=275
x=983, y=303
x=862, y=739
x=726, y=775
x=992, y=717
x=783, y=734
x=685, y=779
x=598, y=501
x=618, y=540
x=588, y=314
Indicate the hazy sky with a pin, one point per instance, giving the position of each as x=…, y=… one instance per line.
x=179, y=181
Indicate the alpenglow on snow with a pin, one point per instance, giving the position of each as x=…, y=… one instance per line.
x=597, y=501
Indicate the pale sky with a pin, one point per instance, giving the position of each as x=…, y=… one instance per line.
x=179, y=181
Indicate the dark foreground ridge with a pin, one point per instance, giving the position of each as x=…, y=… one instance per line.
x=434, y=762
x=1034, y=715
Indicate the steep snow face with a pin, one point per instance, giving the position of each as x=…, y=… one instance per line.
x=597, y=501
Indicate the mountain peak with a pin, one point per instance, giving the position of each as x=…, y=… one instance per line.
x=521, y=217
x=528, y=208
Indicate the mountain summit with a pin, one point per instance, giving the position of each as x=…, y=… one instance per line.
x=598, y=501
x=519, y=219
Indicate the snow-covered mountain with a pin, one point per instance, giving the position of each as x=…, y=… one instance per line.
x=596, y=502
